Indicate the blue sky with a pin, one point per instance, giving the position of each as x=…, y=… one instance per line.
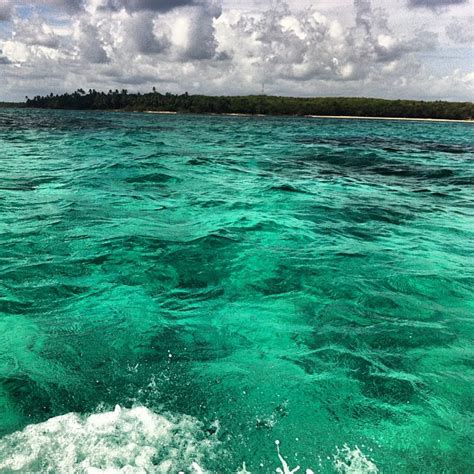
x=421, y=49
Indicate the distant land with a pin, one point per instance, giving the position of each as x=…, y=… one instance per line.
x=254, y=105
x=4, y=105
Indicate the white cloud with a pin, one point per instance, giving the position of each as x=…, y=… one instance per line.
x=4, y=59
x=141, y=36
x=461, y=30
x=89, y=45
x=71, y=6
x=198, y=46
x=34, y=31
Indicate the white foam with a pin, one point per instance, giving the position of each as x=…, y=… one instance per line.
x=133, y=440
x=346, y=461
x=353, y=461
x=286, y=469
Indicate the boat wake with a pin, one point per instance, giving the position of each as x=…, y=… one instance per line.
x=135, y=440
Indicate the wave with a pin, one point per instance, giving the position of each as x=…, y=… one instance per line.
x=137, y=441
x=134, y=440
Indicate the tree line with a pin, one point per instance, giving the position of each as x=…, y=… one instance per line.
x=7, y=105
x=253, y=104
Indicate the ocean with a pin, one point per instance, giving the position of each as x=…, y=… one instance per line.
x=186, y=293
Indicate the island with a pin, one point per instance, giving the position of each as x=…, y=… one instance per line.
x=155, y=101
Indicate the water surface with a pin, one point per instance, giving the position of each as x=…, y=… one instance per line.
x=230, y=282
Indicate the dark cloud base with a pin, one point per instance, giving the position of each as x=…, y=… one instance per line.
x=152, y=5
x=434, y=3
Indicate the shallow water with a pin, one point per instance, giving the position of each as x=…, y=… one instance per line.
x=231, y=282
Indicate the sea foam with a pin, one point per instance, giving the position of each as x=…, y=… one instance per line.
x=133, y=440
x=353, y=461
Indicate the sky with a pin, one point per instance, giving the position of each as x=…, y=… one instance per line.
x=408, y=49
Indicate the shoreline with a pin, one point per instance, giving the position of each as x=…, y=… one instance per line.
x=342, y=117
x=164, y=112
x=237, y=114
x=362, y=117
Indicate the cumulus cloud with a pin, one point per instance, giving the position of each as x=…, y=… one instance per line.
x=364, y=15
x=195, y=33
x=4, y=59
x=461, y=30
x=68, y=5
x=141, y=35
x=182, y=28
x=71, y=6
x=305, y=45
x=198, y=46
x=89, y=44
x=35, y=31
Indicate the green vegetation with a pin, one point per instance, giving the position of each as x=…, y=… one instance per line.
x=262, y=104
x=4, y=105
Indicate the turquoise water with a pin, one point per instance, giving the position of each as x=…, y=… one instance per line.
x=192, y=289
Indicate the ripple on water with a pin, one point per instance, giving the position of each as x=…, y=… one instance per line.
x=308, y=281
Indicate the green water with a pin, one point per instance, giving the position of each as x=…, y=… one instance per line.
x=238, y=281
